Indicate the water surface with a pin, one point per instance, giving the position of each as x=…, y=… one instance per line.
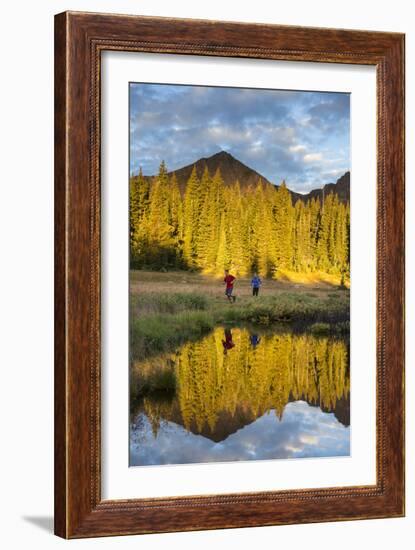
x=241, y=394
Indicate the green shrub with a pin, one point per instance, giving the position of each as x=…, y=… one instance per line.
x=320, y=328
x=153, y=334
x=169, y=303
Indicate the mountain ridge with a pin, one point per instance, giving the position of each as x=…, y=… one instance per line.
x=233, y=170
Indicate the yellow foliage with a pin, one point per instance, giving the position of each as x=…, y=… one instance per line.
x=252, y=375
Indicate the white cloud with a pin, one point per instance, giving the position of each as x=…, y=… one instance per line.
x=312, y=157
x=298, y=148
x=282, y=135
x=309, y=439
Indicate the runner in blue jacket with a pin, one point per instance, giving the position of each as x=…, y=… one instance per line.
x=255, y=283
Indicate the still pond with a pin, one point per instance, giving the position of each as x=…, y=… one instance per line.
x=242, y=394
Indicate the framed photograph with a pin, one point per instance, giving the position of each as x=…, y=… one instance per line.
x=229, y=275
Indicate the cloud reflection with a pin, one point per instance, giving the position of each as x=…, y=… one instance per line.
x=303, y=432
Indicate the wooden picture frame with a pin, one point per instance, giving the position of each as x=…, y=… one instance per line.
x=79, y=40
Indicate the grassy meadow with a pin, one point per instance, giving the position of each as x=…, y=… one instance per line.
x=170, y=308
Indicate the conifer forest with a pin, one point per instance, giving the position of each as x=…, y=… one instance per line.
x=209, y=226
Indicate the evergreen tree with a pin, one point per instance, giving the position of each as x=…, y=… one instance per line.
x=211, y=227
x=222, y=256
x=283, y=216
x=214, y=209
x=191, y=208
x=176, y=220
x=160, y=229
x=207, y=207
x=234, y=229
x=139, y=204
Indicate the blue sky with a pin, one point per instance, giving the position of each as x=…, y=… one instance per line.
x=302, y=137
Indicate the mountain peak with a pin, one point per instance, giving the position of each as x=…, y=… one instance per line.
x=222, y=154
x=233, y=170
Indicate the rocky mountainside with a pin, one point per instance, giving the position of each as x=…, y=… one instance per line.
x=233, y=169
x=341, y=188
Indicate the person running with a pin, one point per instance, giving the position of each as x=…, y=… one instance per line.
x=256, y=283
x=229, y=281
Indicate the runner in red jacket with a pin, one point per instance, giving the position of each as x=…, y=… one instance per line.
x=229, y=281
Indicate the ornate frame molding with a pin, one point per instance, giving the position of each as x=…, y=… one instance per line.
x=79, y=40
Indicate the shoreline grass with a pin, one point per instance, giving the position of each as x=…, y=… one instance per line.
x=160, y=322
x=152, y=334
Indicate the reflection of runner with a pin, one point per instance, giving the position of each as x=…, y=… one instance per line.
x=229, y=281
x=255, y=340
x=228, y=342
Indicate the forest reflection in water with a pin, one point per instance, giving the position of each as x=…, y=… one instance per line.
x=240, y=394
